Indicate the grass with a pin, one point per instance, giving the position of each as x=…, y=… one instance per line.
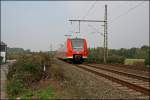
x=14, y=88
x=43, y=94
x=56, y=72
x=134, y=61
x=27, y=94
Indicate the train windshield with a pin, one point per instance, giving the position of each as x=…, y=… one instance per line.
x=77, y=44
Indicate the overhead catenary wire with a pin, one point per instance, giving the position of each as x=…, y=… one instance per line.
x=97, y=30
x=126, y=12
x=129, y=10
x=105, y=24
x=105, y=28
x=91, y=7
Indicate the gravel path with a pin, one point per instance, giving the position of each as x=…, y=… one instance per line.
x=83, y=84
x=4, y=69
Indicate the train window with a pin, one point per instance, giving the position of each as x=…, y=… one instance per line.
x=77, y=44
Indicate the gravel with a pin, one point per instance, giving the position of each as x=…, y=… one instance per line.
x=82, y=84
x=126, y=69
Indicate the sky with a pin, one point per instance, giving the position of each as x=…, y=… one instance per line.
x=36, y=25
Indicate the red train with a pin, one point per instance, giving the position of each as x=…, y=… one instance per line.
x=75, y=50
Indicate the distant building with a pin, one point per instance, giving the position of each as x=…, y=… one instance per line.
x=3, y=51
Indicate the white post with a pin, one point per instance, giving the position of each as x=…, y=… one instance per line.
x=44, y=68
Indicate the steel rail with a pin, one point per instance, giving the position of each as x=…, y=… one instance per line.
x=146, y=79
x=143, y=90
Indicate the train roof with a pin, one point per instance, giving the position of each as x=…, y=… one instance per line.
x=75, y=38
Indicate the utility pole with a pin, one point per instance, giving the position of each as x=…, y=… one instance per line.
x=105, y=31
x=50, y=53
x=51, y=47
x=105, y=36
x=79, y=26
x=104, y=48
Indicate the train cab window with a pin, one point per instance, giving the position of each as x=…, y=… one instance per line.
x=77, y=44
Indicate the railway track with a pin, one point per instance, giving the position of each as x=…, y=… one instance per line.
x=137, y=85
x=131, y=82
x=133, y=67
x=145, y=71
x=119, y=71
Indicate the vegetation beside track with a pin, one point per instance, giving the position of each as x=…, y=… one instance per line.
x=118, y=56
x=25, y=75
x=28, y=71
x=134, y=61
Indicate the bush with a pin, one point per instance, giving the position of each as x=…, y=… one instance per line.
x=25, y=72
x=27, y=95
x=14, y=87
x=147, y=60
x=95, y=60
x=115, y=59
x=27, y=69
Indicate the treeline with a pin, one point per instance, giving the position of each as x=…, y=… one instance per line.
x=96, y=54
x=119, y=55
x=14, y=53
x=17, y=50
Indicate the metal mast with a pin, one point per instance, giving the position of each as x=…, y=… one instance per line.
x=105, y=32
x=105, y=36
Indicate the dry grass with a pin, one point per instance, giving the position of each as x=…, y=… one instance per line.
x=134, y=62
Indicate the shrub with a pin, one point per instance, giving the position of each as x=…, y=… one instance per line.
x=147, y=60
x=115, y=59
x=94, y=60
x=14, y=87
x=27, y=69
x=27, y=95
x=25, y=72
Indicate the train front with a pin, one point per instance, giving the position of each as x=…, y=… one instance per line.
x=77, y=49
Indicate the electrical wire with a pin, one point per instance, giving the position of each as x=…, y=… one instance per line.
x=95, y=29
x=129, y=10
x=91, y=7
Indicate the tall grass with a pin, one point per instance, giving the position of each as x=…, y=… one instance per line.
x=134, y=61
